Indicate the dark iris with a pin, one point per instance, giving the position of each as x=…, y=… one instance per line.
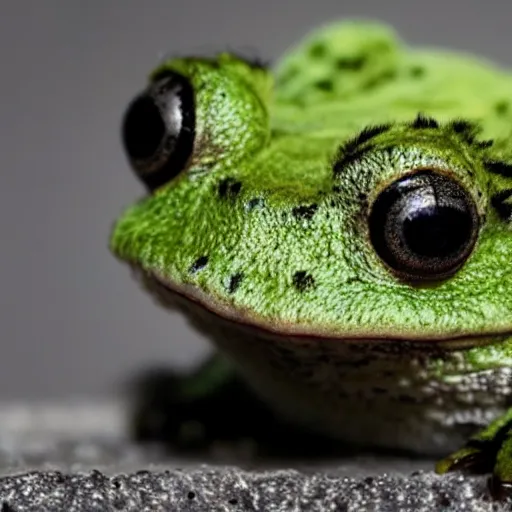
x=424, y=225
x=158, y=129
x=144, y=129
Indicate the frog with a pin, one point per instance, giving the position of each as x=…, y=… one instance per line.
x=338, y=225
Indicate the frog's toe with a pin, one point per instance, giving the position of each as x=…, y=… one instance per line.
x=500, y=483
x=500, y=489
x=490, y=451
x=482, y=459
x=196, y=411
x=476, y=459
x=159, y=413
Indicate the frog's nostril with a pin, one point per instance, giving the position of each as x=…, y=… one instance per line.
x=424, y=225
x=144, y=128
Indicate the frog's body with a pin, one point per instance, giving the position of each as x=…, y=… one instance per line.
x=393, y=395
x=265, y=223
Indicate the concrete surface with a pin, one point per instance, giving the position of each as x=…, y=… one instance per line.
x=77, y=457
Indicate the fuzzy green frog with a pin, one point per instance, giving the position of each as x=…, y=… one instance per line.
x=340, y=226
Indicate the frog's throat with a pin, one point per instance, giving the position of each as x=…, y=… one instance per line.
x=164, y=290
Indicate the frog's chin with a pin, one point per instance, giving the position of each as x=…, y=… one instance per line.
x=185, y=296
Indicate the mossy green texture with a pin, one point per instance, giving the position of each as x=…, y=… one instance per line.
x=282, y=235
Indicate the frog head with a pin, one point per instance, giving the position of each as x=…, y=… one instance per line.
x=342, y=195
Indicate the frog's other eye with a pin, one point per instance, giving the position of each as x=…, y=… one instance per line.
x=424, y=225
x=158, y=129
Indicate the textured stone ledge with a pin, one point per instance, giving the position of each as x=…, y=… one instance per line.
x=76, y=458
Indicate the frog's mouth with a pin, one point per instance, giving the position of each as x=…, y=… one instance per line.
x=186, y=296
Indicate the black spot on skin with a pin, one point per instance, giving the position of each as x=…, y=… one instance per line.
x=235, y=187
x=223, y=188
x=318, y=51
x=363, y=198
x=468, y=137
x=305, y=212
x=484, y=144
x=468, y=131
x=351, y=280
x=462, y=126
x=199, y=264
x=255, y=202
x=229, y=188
x=502, y=108
x=277, y=132
x=423, y=121
x=417, y=71
x=191, y=495
x=498, y=167
x=351, y=63
x=303, y=281
x=234, y=282
x=502, y=203
x=336, y=189
x=353, y=148
x=325, y=85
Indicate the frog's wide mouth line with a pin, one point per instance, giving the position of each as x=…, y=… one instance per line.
x=160, y=286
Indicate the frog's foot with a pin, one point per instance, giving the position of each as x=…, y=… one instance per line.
x=213, y=408
x=194, y=411
x=490, y=451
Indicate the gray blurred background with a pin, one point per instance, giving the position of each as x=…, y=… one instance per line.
x=73, y=322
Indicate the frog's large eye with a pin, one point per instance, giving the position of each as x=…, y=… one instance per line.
x=158, y=129
x=424, y=225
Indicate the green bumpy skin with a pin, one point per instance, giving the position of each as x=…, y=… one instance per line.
x=266, y=225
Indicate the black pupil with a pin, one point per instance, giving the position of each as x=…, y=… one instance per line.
x=144, y=128
x=436, y=232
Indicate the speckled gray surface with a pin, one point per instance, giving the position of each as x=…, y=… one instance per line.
x=76, y=458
